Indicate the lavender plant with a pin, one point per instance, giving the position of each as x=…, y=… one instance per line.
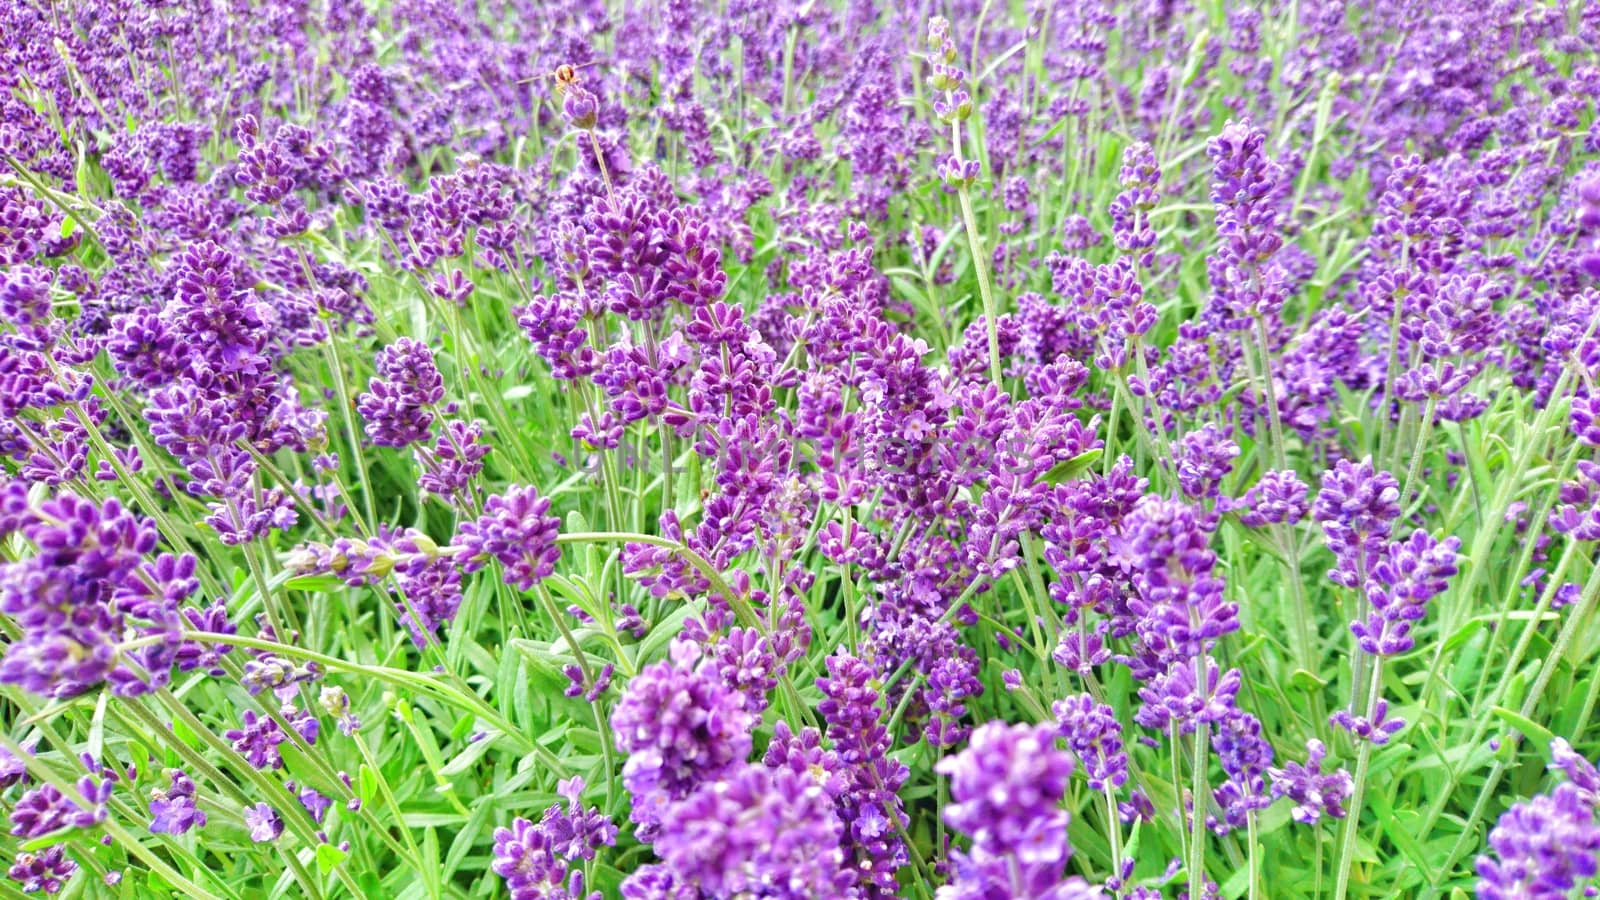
x=682, y=451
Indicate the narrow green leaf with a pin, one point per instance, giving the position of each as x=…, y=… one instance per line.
x=329, y=856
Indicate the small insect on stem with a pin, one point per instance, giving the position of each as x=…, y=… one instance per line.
x=581, y=108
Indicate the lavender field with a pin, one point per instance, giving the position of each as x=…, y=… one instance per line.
x=1047, y=449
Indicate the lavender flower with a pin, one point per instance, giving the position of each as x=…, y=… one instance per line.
x=263, y=823
x=1280, y=497
x=757, y=829
x=1578, y=514
x=86, y=587
x=1356, y=507
x=680, y=725
x=1246, y=757
x=173, y=810
x=1544, y=847
x=454, y=461
x=1092, y=732
x=1140, y=180
x=1314, y=794
x=1245, y=190
x=1205, y=457
x=516, y=529
x=1377, y=727
x=868, y=799
x=1589, y=221
x=1005, y=792
x=1410, y=573
x=535, y=859
x=397, y=403
x=45, y=872
x=1179, y=605
x=258, y=740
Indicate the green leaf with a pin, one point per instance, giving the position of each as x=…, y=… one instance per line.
x=1068, y=469
x=183, y=733
x=1307, y=681
x=466, y=759
x=304, y=770
x=329, y=856
x=480, y=822
x=366, y=784
x=1530, y=729
x=1462, y=635
x=315, y=584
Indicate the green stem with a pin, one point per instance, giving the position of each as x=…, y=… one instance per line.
x=981, y=263
x=1352, y=822
x=1197, y=823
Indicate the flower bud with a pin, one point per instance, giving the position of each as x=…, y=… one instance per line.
x=959, y=172
x=580, y=106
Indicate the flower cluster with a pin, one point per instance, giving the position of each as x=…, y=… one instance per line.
x=816, y=464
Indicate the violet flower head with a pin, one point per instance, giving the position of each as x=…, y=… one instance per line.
x=1006, y=790
x=1245, y=191
x=1579, y=771
x=1589, y=222
x=13, y=770
x=45, y=808
x=455, y=458
x=758, y=830
x=680, y=725
x=1177, y=695
x=1544, y=847
x=1578, y=513
x=432, y=595
x=1245, y=756
x=1585, y=419
x=1410, y=573
x=263, y=823
x=1092, y=732
x=535, y=859
x=1314, y=793
x=398, y=400
x=1204, y=457
x=1356, y=507
x=1378, y=727
x=45, y=872
x=517, y=529
x=173, y=810
x=88, y=585
x=1140, y=180
x=1278, y=498
x=257, y=740
x=868, y=801
x=1179, y=605
x=25, y=295
x=225, y=323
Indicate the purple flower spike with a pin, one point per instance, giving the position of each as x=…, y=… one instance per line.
x=1545, y=847
x=1314, y=794
x=517, y=529
x=263, y=823
x=680, y=724
x=397, y=402
x=173, y=810
x=1006, y=790
x=45, y=872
